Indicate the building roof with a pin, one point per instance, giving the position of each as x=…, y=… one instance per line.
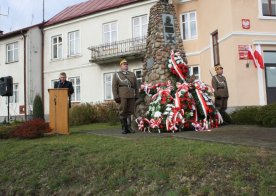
x=18, y=32
x=87, y=8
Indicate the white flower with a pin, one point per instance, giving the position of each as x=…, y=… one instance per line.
x=157, y=114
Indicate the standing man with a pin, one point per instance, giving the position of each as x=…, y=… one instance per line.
x=63, y=83
x=125, y=92
x=221, y=91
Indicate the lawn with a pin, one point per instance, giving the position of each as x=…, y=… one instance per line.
x=85, y=164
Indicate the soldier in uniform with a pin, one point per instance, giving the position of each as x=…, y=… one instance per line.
x=125, y=92
x=63, y=83
x=221, y=90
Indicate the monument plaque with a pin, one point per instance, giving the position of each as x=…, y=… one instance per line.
x=150, y=63
x=169, y=32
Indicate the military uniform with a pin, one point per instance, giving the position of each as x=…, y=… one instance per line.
x=221, y=92
x=66, y=84
x=125, y=92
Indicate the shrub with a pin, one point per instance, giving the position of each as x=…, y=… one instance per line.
x=38, y=108
x=91, y=113
x=256, y=115
x=82, y=114
x=267, y=116
x=246, y=115
x=31, y=129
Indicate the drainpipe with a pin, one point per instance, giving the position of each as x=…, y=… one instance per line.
x=25, y=82
x=42, y=67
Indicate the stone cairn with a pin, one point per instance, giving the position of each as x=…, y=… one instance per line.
x=163, y=36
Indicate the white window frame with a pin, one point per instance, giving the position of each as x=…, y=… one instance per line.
x=140, y=25
x=74, y=96
x=110, y=31
x=189, y=26
x=138, y=79
x=191, y=70
x=53, y=82
x=14, y=47
x=261, y=15
x=15, y=96
x=58, y=44
x=108, y=82
x=73, y=43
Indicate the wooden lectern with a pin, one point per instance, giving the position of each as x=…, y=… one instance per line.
x=59, y=110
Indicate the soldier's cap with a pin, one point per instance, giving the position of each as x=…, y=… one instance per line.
x=217, y=67
x=123, y=61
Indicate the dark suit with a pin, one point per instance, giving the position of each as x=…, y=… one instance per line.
x=66, y=84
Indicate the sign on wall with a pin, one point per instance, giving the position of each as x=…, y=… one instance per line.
x=243, y=52
x=245, y=23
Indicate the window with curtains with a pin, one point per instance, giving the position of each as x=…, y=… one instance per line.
x=269, y=7
x=77, y=90
x=73, y=43
x=215, y=45
x=57, y=47
x=109, y=32
x=12, y=52
x=139, y=26
x=189, y=25
x=15, y=97
x=108, y=86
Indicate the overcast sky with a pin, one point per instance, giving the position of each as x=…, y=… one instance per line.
x=24, y=13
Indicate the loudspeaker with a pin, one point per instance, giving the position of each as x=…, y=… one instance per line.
x=6, y=86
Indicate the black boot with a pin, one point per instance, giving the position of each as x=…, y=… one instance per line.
x=129, y=129
x=124, y=126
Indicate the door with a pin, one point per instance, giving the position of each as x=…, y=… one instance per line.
x=270, y=73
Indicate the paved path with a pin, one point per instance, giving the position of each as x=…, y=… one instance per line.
x=231, y=134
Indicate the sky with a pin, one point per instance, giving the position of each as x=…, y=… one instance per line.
x=24, y=13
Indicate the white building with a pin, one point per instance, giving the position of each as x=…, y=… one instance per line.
x=20, y=57
x=110, y=29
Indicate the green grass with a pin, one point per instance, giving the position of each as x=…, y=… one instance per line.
x=91, y=127
x=80, y=164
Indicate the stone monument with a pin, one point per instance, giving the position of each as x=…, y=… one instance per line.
x=163, y=36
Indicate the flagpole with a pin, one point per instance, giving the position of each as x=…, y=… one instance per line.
x=43, y=12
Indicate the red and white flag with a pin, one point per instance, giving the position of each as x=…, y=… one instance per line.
x=251, y=56
x=258, y=56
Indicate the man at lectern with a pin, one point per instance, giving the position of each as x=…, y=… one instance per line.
x=63, y=83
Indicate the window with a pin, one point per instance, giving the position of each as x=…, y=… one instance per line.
x=53, y=82
x=56, y=47
x=189, y=26
x=76, y=85
x=139, y=26
x=15, y=97
x=110, y=32
x=108, y=86
x=138, y=74
x=215, y=45
x=12, y=52
x=269, y=7
x=74, y=43
x=194, y=70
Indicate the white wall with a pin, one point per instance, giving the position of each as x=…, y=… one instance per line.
x=91, y=74
x=16, y=70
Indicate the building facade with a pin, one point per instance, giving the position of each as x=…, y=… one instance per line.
x=88, y=47
x=218, y=32
x=88, y=40
x=21, y=58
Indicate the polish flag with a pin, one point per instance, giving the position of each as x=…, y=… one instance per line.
x=251, y=56
x=258, y=56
